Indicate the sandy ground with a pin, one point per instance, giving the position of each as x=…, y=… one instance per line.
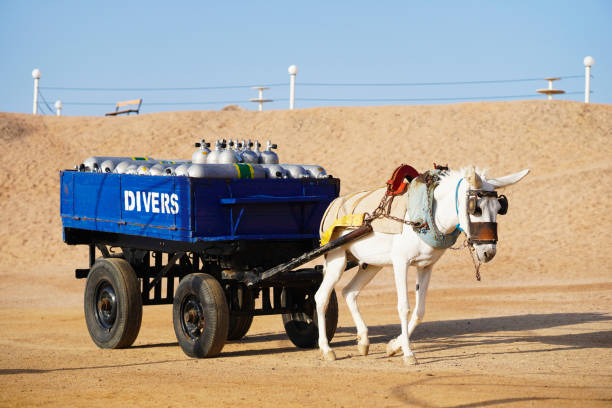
x=537, y=331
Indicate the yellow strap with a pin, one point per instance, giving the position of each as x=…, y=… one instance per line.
x=351, y=220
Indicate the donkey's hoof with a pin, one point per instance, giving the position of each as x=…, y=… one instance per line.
x=363, y=349
x=410, y=360
x=329, y=355
x=391, y=351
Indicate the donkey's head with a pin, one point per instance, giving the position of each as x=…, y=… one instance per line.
x=477, y=207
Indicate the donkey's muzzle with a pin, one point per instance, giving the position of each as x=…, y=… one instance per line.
x=483, y=233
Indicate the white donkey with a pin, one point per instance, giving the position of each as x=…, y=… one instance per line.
x=462, y=199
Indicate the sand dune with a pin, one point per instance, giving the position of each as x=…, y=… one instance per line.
x=556, y=212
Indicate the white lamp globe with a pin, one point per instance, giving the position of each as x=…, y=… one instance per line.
x=589, y=61
x=293, y=70
x=58, y=105
x=36, y=74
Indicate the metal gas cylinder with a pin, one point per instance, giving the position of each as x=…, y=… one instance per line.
x=268, y=156
x=274, y=171
x=121, y=167
x=131, y=169
x=227, y=154
x=213, y=156
x=95, y=162
x=248, y=155
x=314, y=171
x=143, y=170
x=257, y=151
x=295, y=171
x=108, y=166
x=156, y=170
x=168, y=166
x=227, y=171
x=201, y=153
x=182, y=169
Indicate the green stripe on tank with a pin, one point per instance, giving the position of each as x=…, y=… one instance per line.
x=245, y=171
x=140, y=158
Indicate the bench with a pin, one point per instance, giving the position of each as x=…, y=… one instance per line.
x=133, y=102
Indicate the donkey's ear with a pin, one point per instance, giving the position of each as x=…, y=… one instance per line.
x=509, y=179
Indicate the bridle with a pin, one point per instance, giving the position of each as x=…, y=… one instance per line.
x=480, y=232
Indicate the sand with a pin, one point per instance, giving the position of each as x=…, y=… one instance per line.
x=535, y=331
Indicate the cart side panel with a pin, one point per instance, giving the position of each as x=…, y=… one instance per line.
x=157, y=207
x=260, y=209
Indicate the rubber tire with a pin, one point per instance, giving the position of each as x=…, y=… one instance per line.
x=207, y=290
x=306, y=335
x=121, y=276
x=240, y=325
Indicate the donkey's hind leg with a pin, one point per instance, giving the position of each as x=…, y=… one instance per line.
x=362, y=277
x=335, y=263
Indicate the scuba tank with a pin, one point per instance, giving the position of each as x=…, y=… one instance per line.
x=201, y=154
x=248, y=155
x=181, y=169
x=268, y=156
x=143, y=170
x=227, y=155
x=257, y=151
x=213, y=156
x=314, y=171
x=156, y=170
x=227, y=171
x=94, y=163
x=274, y=171
x=295, y=171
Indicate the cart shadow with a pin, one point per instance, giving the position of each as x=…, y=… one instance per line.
x=17, y=371
x=156, y=345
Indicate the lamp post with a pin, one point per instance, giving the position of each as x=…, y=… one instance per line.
x=58, y=108
x=588, y=63
x=36, y=74
x=293, y=70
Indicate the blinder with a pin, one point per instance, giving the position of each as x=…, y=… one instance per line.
x=472, y=202
x=503, y=201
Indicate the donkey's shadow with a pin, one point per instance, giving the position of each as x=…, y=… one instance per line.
x=460, y=333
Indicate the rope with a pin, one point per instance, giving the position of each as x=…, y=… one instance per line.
x=381, y=84
x=45, y=101
x=467, y=98
x=195, y=88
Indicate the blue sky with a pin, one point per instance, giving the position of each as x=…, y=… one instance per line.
x=150, y=44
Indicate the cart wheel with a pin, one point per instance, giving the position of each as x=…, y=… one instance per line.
x=239, y=325
x=113, y=304
x=200, y=315
x=301, y=327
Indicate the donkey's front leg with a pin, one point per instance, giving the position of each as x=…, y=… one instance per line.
x=335, y=262
x=422, y=284
x=403, y=308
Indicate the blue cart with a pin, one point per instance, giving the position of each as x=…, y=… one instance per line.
x=207, y=246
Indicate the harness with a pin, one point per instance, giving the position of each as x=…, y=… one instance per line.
x=421, y=207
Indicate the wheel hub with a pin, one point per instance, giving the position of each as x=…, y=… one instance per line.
x=106, y=305
x=192, y=322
